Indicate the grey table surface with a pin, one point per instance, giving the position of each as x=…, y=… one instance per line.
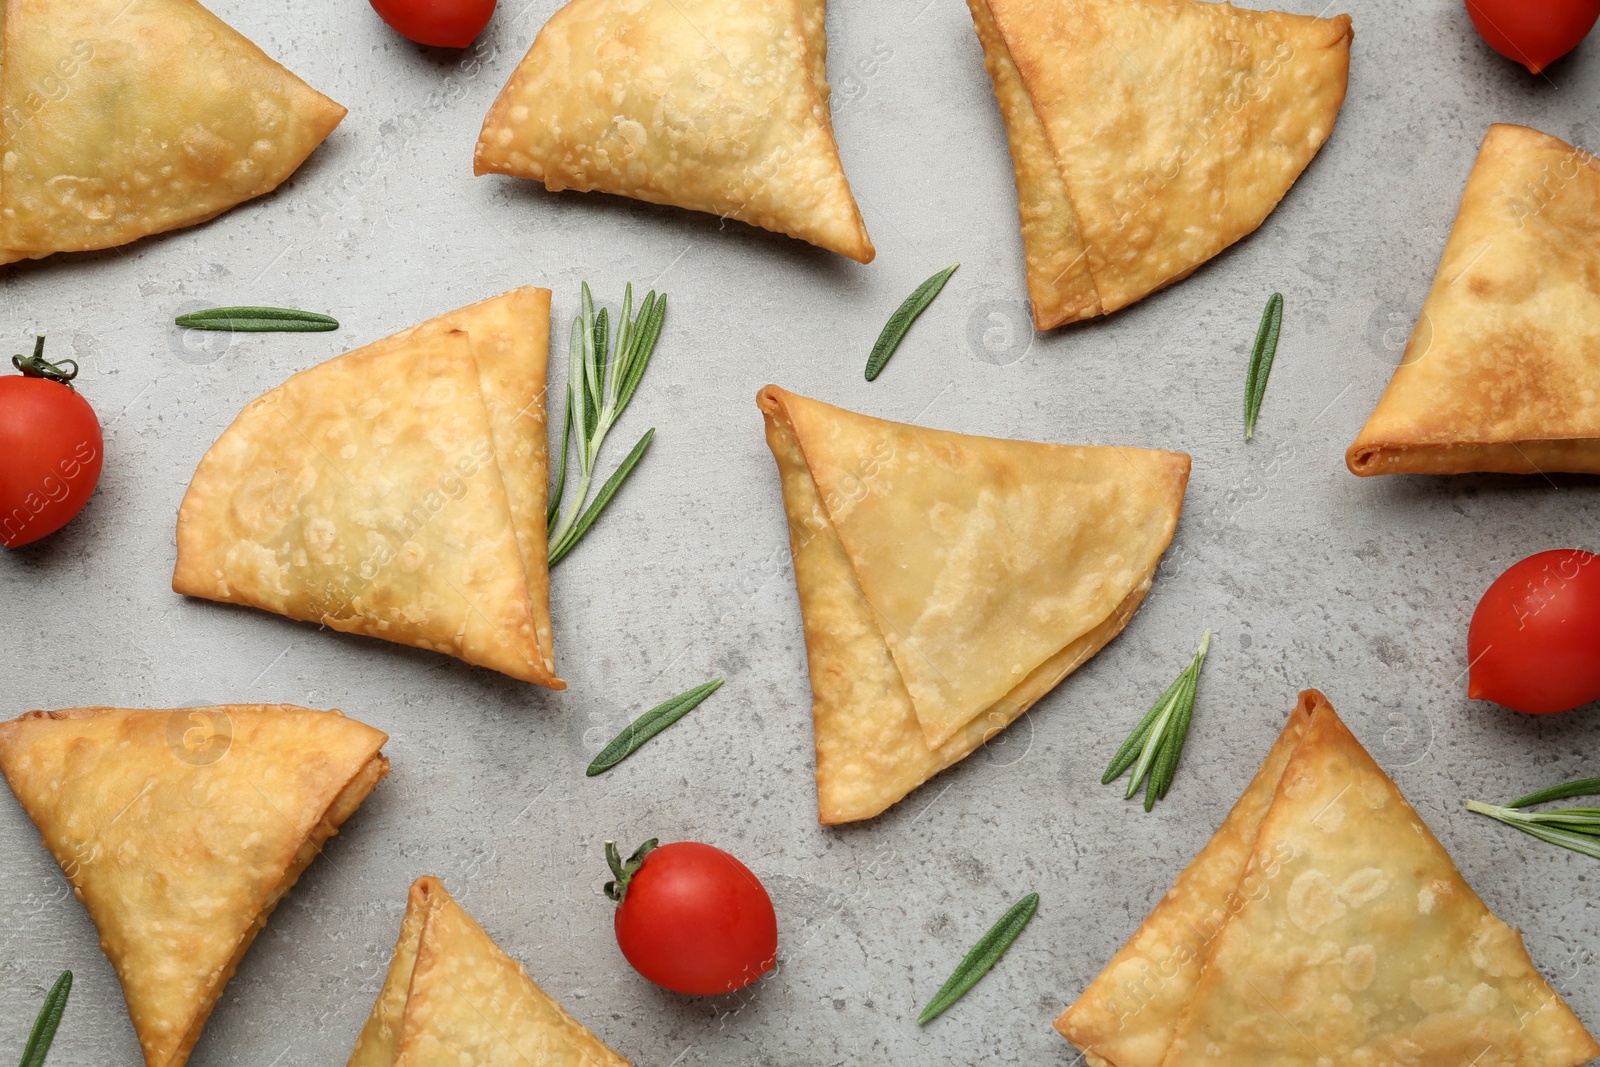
x=1310, y=576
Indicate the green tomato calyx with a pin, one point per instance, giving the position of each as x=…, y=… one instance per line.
x=625, y=870
x=36, y=366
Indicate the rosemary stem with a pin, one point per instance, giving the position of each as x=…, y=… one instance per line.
x=569, y=515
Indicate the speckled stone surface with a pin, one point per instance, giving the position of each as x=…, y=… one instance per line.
x=1310, y=576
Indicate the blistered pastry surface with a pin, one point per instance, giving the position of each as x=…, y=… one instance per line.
x=127, y=119
x=703, y=104
x=178, y=831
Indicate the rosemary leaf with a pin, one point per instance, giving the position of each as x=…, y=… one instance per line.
x=644, y=344
x=1578, y=820
x=561, y=475
x=1152, y=743
x=559, y=549
x=1261, y=357
x=1166, y=766
x=984, y=955
x=604, y=368
x=1154, y=747
x=1586, y=787
x=1577, y=829
x=1135, y=743
x=258, y=320
x=894, y=331
x=44, y=1027
x=646, y=726
x=1584, y=843
x=594, y=371
x=1580, y=843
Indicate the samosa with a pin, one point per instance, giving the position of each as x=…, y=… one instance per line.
x=947, y=582
x=1502, y=372
x=711, y=105
x=397, y=491
x=119, y=120
x=1323, y=924
x=452, y=996
x=181, y=830
x=1149, y=135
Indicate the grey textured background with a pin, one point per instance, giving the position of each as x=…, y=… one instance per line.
x=1308, y=575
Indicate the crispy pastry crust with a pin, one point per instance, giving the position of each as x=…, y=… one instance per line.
x=1149, y=135
x=712, y=105
x=397, y=491
x=948, y=582
x=451, y=995
x=181, y=830
x=1502, y=372
x=169, y=117
x=1347, y=937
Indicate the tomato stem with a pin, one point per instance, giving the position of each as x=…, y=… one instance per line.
x=625, y=870
x=36, y=366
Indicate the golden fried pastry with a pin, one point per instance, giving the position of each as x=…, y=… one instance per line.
x=1149, y=135
x=453, y=997
x=1502, y=372
x=181, y=830
x=948, y=582
x=1323, y=924
x=711, y=105
x=396, y=491
x=126, y=119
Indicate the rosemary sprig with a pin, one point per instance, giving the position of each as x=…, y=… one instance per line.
x=44, y=1027
x=1152, y=750
x=599, y=386
x=1261, y=357
x=258, y=320
x=894, y=331
x=984, y=955
x=1577, y=829
x=646, y=726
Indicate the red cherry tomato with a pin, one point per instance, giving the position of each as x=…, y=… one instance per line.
x=441, y=23
x=1534, y=642
x=692, y=918
x=50, y=451
x=1535, y=33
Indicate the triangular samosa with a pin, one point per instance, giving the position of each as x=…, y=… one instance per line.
x=1324, y=924
x=948, y=582
x=1502, y=372
x=181, y=830
x=124, y=119
x=1149, y=135
x=1129, y=1014
x=712, y=105
x=452, y=996
x=396, y=491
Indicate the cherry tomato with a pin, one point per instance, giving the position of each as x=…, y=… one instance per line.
x=691, y=918
x=50, y=450
x=441, y=23
x=1535, y=33
x=1534, y=642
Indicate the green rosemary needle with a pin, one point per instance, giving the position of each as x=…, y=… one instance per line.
x=1261, y=357
x=1152, y=750
x=44, y=1027
x=258, y=320
x=646, y=726
x=600, y=383
x=1577, y=829
x=984, y=955
x=894, y=331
